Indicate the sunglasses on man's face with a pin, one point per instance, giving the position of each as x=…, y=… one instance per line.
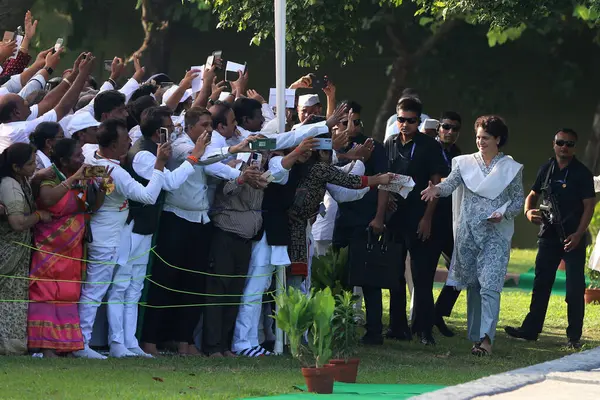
x=408, y=120
x=356, y=122
x=568, y=143
x=448, y=127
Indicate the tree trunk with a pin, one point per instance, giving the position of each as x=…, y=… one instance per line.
x=394, y=90
x=592, y=149
x=154, y=49
x=402, y=65
x=12, y=13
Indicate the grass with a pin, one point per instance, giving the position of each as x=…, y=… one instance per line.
x=448, y=363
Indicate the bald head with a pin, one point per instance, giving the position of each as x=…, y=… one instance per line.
x=13, y=108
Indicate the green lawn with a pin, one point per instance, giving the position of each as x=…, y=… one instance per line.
x=522, y=260
x=199, y=378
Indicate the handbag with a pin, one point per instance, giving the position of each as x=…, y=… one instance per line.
x=375, y=261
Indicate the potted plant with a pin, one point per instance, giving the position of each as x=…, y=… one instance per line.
x=592, y=292
x=298, y=313
x=319, y=378
x=345, y=339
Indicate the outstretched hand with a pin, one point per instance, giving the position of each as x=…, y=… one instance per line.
x=432, y=192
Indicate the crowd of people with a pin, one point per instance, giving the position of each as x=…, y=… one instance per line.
x=112, y=191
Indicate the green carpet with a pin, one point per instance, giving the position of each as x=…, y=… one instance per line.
x=560, y=284
x=363, y=390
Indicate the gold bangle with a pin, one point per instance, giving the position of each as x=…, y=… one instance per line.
x=68, y=82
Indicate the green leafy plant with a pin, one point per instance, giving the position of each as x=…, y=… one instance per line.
x=331, y=271
x=321, y=333
x=345, y=332
x=594, y=277
x=294, y=316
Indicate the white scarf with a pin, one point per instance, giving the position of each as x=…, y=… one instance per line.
x=490, y=186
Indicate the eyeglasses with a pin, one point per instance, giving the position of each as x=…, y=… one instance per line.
x=356, y=122
x=408, y=120
x=448, y=127
x=568, y=143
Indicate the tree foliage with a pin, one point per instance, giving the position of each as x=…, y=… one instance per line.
x=508, y=19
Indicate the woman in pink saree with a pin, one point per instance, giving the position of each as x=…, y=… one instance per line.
x=57, y=266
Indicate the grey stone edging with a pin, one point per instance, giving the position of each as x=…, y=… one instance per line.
x=512, y=380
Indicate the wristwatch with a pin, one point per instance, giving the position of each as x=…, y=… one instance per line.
x=49, y=69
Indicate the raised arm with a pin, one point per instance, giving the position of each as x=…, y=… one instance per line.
x=80, y=75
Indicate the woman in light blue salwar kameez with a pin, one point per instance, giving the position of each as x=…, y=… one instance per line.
x=488, y=195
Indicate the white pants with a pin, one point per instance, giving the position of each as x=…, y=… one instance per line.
x=93, y=293
x=260, y=273
x=245, y=334
x=126, y=291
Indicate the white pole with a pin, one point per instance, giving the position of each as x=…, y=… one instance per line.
x=280, y=8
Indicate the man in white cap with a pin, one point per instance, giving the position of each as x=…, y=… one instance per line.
x=308, y=104
x=82, y=127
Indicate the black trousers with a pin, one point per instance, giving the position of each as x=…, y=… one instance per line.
x=449, y=295
x=229, y=255
x=183, y=244
x=550, y=253
x=423, y=266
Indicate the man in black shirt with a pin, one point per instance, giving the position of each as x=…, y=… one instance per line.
x=562, y=236
x=417, y=155
x=443, y=233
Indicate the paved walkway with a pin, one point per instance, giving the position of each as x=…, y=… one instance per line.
x=576, y=376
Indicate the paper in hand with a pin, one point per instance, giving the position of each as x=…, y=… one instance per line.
x=197, y=82
x=501, y=210
x=18, y=40
x=223, y=96
x=400, y=184
x=290, y=97
x=235, y=67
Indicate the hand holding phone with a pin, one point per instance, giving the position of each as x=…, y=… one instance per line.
x=163, y=135
x=263, y=144
x=58, y=45
x=94, y=171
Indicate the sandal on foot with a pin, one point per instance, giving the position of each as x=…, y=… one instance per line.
x=479, y=351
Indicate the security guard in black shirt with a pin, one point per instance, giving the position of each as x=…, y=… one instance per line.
x=568, y=199
x=417, y=155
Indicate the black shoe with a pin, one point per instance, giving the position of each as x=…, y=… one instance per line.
x=427, y=339
x=400, y=335
x=519, y=333
x=372, y=340
x=268, y=345
x=574, y=344
x=443, y=328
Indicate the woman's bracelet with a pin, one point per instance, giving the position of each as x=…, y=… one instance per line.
x=66, y=186
x=38, y=215
x=193, y=160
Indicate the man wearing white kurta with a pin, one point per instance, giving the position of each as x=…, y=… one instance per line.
x=108, y=223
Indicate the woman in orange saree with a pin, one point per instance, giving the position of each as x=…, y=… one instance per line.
x=57, y=266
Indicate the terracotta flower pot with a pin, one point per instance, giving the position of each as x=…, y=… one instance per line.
x=592, y=296
x=318, y=380
x=345, y=371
